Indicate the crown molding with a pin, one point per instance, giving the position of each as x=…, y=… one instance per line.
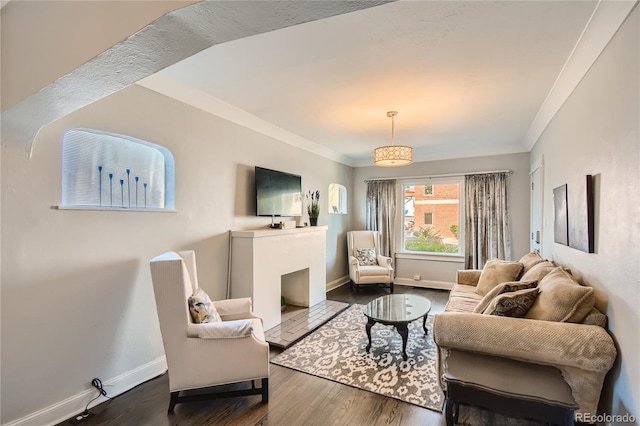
x=608, y=16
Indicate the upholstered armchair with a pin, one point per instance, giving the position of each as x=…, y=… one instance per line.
x=230, y=350
x=366, y=264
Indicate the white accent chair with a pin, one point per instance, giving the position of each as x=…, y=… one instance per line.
x=380, y=273
x=210, y=354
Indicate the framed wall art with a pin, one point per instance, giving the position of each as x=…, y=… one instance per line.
x=560, y=216
x=580, y=209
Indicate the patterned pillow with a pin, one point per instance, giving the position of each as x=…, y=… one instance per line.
x=503, y=288
x=495, y=272
x=366, y=256
x=201, y=308
x=514, y=304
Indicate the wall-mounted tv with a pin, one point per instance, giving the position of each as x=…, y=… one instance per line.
x=278, y=193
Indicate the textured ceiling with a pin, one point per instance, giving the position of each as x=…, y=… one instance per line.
x=467, y=78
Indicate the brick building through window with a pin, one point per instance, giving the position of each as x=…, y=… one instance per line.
x=431, y=217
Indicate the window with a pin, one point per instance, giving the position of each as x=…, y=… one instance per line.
x=432, y=216
x=428, y=218
x=108, y=171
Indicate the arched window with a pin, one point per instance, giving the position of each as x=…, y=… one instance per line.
x=337, y=199
x=109, y=171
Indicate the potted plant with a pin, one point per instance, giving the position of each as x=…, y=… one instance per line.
x=313, y=207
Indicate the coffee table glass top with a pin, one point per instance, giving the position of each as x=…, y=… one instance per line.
x=397, y=308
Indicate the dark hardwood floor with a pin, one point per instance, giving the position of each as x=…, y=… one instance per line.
x=294, y=398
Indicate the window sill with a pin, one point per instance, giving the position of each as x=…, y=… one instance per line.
x=118, y=209
x=455, y=258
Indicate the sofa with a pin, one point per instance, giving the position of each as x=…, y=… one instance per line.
x=534, y=311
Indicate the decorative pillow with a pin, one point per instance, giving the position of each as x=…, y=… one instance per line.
x=514, y=304
x=500, y=289
x=538, y=271
x=201, y=308
x=529, y=260
x=366, y=256
x=595, y=317
x=562, y=298
x=496, y=272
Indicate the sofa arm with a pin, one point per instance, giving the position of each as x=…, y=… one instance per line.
x=233, y=307
x=221, y=330
x=587, y=347
x=384, y=260
x=468, y=276
x=353, y=264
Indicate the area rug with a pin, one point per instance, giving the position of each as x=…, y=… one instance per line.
x=336, y=351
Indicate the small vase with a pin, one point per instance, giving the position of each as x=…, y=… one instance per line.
x=313, y=221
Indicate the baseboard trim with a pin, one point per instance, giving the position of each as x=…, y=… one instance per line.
x=338, y=283
x=75, y=404
x=438, y=285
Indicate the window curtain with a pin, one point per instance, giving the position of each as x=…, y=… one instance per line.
x=487, y=229
x=381, y=213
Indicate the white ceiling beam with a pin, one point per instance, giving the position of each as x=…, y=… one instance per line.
x=171, y=38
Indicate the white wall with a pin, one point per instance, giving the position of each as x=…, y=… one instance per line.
x=445, y=270
x=596, y=132
x=77, y=300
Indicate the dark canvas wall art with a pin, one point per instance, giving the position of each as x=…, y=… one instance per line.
x=580, y=208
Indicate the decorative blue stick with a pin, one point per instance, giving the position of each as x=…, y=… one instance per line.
x=111, y=189
x=100, y=185
x=122, y=193
x=129, y=187
x=137, y=178
x=145, y=194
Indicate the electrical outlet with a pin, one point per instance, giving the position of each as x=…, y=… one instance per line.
x=417, y=277
x=81, y=418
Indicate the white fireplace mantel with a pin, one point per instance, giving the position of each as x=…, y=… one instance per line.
x=268, y=263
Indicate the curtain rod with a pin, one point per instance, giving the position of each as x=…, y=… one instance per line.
x=439, y=175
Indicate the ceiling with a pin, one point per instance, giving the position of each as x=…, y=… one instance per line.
x=467, y=78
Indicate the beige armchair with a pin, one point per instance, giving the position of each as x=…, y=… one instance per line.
x=204, y=355
x=366, y=265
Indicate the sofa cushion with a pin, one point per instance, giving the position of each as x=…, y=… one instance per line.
x=561, y=298
x=201, y=308
x=529, y=260
x=366, y=256
x=512, y=304
x=462, y=298
x=503, y=288
x=538, y=271
x=373, y=270
x=495, y=272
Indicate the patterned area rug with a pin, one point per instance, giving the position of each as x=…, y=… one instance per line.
x=336, y=351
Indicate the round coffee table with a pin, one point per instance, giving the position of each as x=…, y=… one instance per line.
x=397, y=310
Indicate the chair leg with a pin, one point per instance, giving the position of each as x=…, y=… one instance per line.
x=265, y=390
x=173, y=401
x=391, y=287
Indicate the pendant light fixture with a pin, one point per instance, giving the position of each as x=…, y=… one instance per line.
x=392, y=155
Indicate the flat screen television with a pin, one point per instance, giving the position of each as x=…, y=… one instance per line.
x=278, y=193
